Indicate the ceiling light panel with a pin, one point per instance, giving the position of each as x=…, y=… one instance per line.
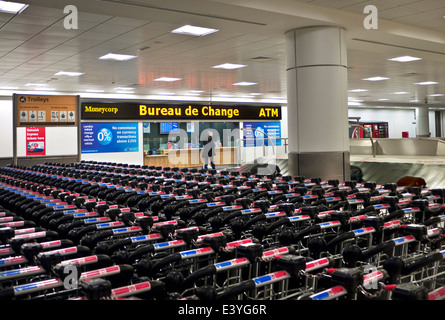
x=194, y=30
x=358, y=90
x=229, y=66
x=117, y=57
x=245, y=83
x=69, y=74
x=405, y=59
x=12, y=7
x=167, y=79
x=376, y=79
x=426, y=83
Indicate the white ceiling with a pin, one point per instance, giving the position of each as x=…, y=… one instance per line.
x=35, y=45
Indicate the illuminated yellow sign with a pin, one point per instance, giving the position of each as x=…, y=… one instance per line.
x=133, y=111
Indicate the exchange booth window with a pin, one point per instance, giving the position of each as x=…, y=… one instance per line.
x=157, y=139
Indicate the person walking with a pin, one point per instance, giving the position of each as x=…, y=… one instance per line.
x=208, y=151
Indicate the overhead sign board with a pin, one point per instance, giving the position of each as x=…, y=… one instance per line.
x=44, y=110
x=137, y=111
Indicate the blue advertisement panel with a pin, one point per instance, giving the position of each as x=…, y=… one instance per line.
x=109, y=137
x=256, y=136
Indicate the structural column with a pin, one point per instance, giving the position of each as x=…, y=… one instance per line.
x=422, y=122
x=317, y=95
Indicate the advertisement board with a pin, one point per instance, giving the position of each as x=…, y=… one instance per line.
x=254, y=133
x=35, y=141
x=105, y=137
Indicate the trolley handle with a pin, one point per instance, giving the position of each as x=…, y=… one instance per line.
x=432, y=221
x=201, y=219
x=422, y=262
x=254, y=220
x=10, y=293
x=142, y=290
x=305, y=232
x=372, y=251
x=236, y=290
x=118, y=245
x=95, y=239
x=170, y=259
x=139, y=252
x=339, y=239
x=398, y=214
x=276, y=224
x=347, y=284
x=257, y=282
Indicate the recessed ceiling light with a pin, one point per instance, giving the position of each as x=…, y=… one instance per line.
x=405, y=59
x=436, y=95
x=69, y=74
x=194, y=30
x=8, y=88
x=124, y=92
x=12, y=7
x=117, y=57
x=414, y=101
x=167, y=93
x=426, y=83
x=352, y=103
x=358, y=90
x=35, y=84
x=401, y=92
x=225, y=95
x=256, y=94
x=167, y=79
x=229, y=66
x=245, y=83
x=44, y=89
x=375, y=79
x=383, y=99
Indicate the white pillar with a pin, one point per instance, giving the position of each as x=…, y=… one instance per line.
x=317, y=95
x=422, y=122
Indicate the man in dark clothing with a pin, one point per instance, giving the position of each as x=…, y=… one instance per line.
x=208, y=151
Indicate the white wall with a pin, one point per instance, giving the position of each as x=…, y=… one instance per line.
x=6, y=145
x=60, y=141
x=399, y=120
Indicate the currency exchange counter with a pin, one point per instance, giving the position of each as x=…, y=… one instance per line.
x=183, y=158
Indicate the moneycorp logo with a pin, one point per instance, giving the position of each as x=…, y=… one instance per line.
x=102, y=110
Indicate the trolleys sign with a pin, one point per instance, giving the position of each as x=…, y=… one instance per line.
x=35, y=110
x=136, y=111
